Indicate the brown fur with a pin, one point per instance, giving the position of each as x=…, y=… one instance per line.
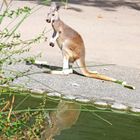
x=71, y=44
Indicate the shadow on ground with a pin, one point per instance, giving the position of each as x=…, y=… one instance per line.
x=51, y=68
x=108, y=5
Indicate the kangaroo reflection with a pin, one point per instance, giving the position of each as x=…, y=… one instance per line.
x=64, y=117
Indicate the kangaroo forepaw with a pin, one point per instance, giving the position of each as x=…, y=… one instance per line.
x=51, y=44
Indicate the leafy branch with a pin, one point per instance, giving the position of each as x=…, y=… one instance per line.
x=12, y=46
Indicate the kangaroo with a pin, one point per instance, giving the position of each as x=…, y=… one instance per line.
x=72, y=46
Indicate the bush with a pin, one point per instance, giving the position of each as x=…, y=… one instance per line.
x=11, y=43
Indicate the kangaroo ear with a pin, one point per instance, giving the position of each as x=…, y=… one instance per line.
x=55, y=6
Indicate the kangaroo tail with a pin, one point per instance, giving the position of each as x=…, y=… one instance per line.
x=81, y=63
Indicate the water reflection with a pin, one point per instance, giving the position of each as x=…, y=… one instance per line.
x=64, y=117
x=50, y=118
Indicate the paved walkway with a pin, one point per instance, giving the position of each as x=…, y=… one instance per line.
x=111, y=37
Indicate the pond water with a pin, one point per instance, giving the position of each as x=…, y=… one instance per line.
x=67, y=120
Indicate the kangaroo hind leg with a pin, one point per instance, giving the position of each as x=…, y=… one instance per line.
x=67, y=68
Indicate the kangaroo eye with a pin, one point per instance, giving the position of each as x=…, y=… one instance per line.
x=52, y=14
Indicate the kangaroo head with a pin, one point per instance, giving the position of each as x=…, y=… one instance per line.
x=53, y=13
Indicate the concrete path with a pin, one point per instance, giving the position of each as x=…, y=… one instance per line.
x=111, y=35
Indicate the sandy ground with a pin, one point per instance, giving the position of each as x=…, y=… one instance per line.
x=111, y=32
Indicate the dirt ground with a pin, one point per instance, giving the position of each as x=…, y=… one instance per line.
x=111, y=32
x=110, y=29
